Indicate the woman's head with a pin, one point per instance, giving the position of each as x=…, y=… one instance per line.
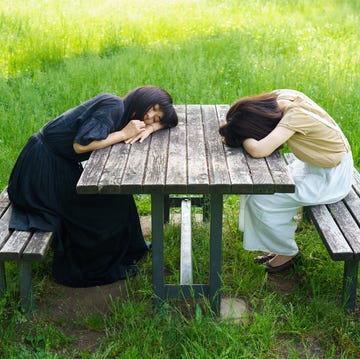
x=145, y=99
x=250, y=117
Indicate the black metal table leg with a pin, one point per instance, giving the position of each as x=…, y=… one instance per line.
x=216, y=210
x=157, y=224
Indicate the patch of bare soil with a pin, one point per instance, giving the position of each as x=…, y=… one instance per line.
x=78, y=303
x=68, y=308
x=283, y=283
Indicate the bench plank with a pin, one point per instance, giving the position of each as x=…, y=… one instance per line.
x=24, y=247
x=4, y=227
x=348, y=225
x=356, y=182
x=330, y=233
x=352, y=201
x=38, y=246
x=4, y=201
x=14, y=246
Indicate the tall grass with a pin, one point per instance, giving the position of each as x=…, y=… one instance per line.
x=56, y=54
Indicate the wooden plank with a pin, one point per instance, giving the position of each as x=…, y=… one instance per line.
x=38, y=246
x=114, y=168
x=330, y=233
x=4, y=227
x=4, y=201
x=221, y=112
x=176, y=175
x=356, y=182
x=13, y=248
x=186, y=272
x=88, y=182
x=352, y=201
x=197, y=167
x=280, y=173
x=217, y=168
x=347, y=224
x=155, y=174
x=260, y=174
x=239, y=172
x=134, y=172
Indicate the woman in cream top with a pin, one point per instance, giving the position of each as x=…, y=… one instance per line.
x=322, y=170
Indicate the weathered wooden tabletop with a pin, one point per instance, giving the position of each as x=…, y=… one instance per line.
x=189, y=158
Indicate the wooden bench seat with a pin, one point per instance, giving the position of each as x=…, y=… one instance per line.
x=338, y=225
x=24, y=247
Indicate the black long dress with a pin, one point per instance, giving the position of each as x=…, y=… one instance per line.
x=98, y=238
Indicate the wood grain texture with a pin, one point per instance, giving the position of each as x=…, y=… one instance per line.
x=14, y=246
x=88, y=182
x=216, y=160
x=4, y=201
x=176, y=168
x=19, y=245
x=38, y=246
x=349, y=227
x=197, y=166
x=330, y=233
x=239, y=172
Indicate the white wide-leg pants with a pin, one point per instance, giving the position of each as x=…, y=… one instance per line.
x=268, y=220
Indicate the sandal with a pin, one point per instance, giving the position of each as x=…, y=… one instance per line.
x=264, y=258
x=282, y=267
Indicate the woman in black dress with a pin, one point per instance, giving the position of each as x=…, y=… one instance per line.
x=97, y=238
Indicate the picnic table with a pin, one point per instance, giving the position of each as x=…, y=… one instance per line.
x=189, y=159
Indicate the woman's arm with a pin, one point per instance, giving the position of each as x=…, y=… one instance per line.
x=264, y=147
x=132, y=129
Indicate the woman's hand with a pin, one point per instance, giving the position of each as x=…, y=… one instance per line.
x=148, y=130
x=133, y=129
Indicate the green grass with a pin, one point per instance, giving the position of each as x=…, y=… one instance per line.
x=56, y=54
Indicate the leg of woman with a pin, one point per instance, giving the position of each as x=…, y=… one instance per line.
x=270, y=225
x=268, y=220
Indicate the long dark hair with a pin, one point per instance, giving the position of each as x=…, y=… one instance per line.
x=251, y=117
x=140, y=100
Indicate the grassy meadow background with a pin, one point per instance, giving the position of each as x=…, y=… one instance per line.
x=56, y=54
